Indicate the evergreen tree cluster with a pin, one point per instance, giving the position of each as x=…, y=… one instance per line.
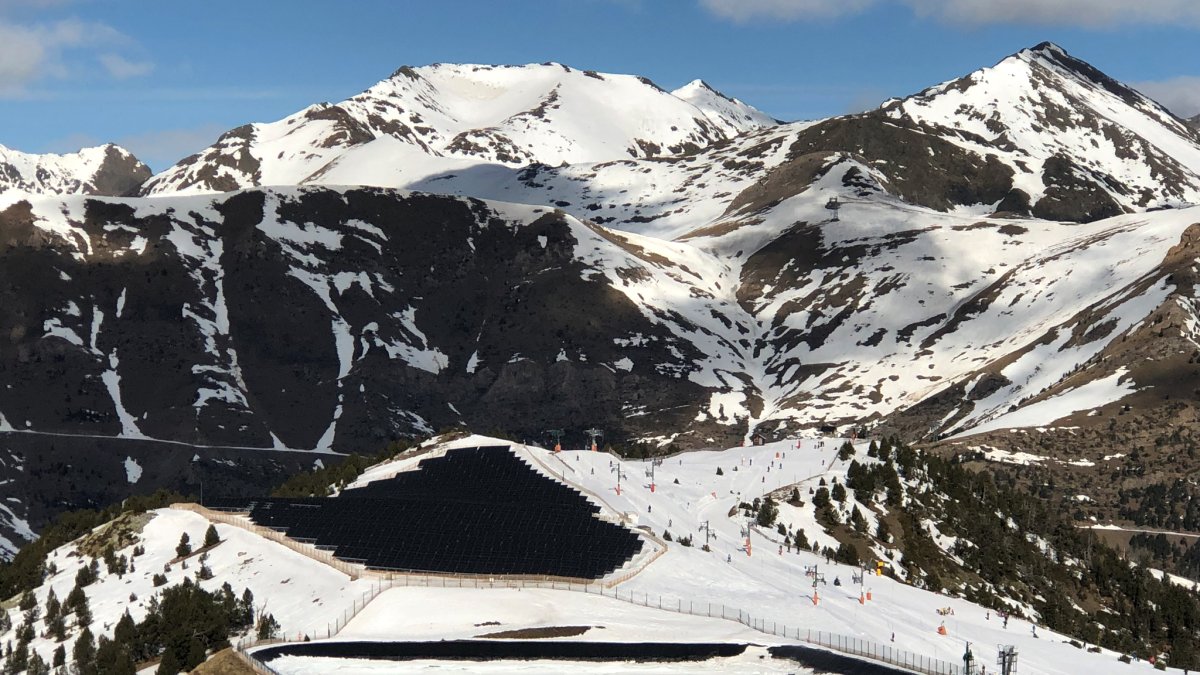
x=183, y=625
x=28, y=568
x=1170, y=507
x=323, y=481
x=1015, y=544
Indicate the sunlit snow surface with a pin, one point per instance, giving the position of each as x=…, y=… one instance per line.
x=307, y=597
x=919, y=301
x=767, y=584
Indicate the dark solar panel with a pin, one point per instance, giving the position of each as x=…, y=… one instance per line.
x=472, y=511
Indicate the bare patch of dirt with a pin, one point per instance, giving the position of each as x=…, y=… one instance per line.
x=119, y=533
x=224, y=662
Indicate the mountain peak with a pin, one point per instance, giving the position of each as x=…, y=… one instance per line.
x=1047, y=48
x=439, y=118
x=107, y=170
x=696, y=84
x=1061, y=127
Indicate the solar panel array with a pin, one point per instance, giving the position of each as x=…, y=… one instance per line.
x=472, y=511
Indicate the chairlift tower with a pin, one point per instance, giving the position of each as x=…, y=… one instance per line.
x=557, y=435
x=833, y=205
x=593, y=434
x=1006, y=658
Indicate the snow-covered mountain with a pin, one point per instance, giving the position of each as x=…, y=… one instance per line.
x=450, y=117
x=732, y=115
x=102, y=170
x=1071, y=137
x=690, y=298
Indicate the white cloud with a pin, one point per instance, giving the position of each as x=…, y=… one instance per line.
x=22, y=57
x=30, y=52
x=1181, y=95
x=1087, y=13
x=788, y=10
x=122, y=68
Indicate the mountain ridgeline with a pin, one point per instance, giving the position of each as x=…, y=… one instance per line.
x=536, y=247
x=104, y=170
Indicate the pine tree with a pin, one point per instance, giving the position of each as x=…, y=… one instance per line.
x=821, y=498
x=126, y=631
x=211, y=538
x=37, y=666
x=839, y=493
x=114, y=657
x=53, y=606
x=60, y=658
x=56, y=628
x=245, y=610
x=20, y=658
x=767, y=513
x=184, y=548
x=83, y=612
x=857, y=520
x=267, y=627
x=801, y=540
x=27, y=601
x=84, y=653
x=169, y=665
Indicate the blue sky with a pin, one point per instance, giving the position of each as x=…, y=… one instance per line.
x=165, y=78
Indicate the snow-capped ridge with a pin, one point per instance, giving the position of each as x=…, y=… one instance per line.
x=739, y=117
x=1079, y=144
x=444, y=118
x=106, y=169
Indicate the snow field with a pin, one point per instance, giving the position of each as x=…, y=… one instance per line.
x=305, y=596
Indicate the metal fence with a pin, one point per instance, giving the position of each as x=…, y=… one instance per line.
x=242, y=521
x=259, y=667
x=845, y=644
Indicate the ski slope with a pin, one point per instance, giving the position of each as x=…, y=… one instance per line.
x=764, y=581
x=307, y=597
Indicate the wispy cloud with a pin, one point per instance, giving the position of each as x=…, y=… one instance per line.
x=787, y=10
x=1084, y=13
x=34, y=51
x=122, y=68
x=1181, y=95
